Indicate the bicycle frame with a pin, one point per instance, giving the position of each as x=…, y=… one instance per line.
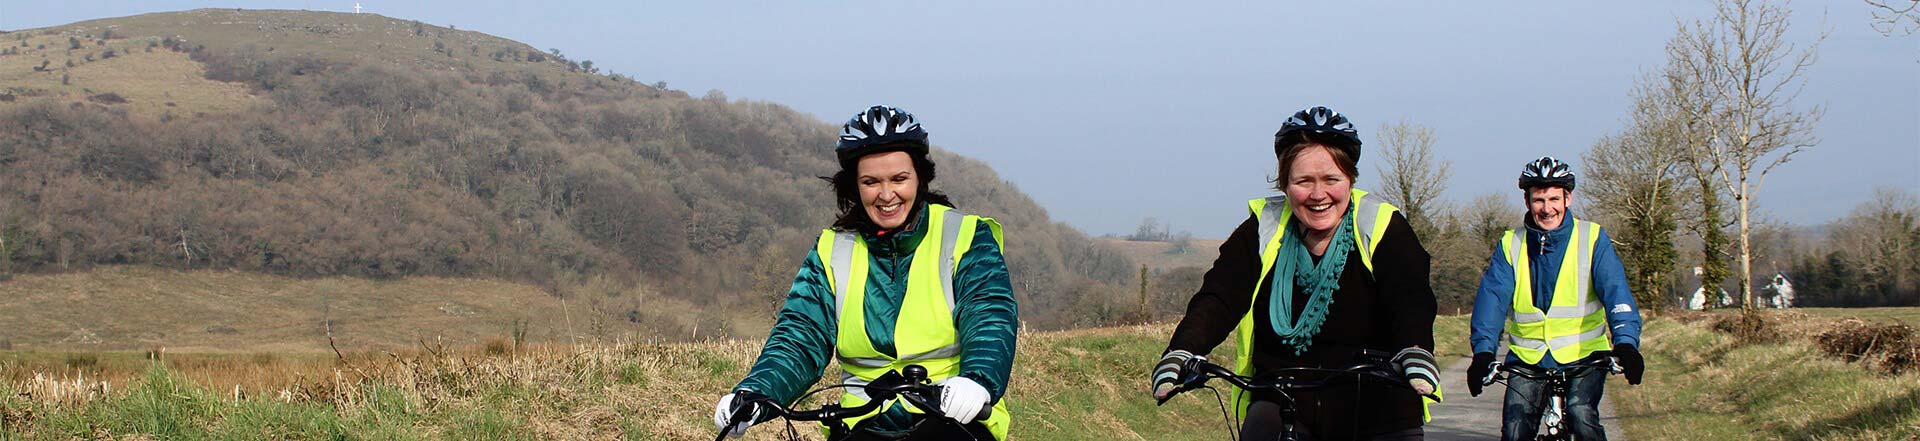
x=1558, y=388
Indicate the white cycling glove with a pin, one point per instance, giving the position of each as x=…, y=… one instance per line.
x=961, y=398
x=723, y=413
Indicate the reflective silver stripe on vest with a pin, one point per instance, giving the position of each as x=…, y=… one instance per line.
x=1557, y=342
x=859, y=389
x=936, y=353
x=949, y=234
x=842, y=264
x=1363, y=226
x=1270, y=221
x=1583, y=276
x=1583, y=272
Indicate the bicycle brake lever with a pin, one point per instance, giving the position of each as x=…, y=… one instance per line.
x=1493, y=373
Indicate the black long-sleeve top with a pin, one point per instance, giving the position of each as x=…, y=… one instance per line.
x=1389, y=310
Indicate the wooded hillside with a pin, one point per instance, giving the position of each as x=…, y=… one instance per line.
x=376, y=147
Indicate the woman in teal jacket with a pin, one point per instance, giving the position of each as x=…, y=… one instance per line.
x=903, y=311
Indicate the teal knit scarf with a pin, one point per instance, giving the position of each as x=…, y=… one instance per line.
x=1295, y=266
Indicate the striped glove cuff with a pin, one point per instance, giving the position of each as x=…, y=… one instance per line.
x=1416, y=363
x=1168, y=369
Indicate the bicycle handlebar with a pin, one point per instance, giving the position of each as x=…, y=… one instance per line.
x=1199, y=371
x=909, y=384
x=1500, y=370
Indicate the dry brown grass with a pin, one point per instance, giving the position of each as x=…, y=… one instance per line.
x=151, y=83
x=1888, y=348
x=1704, y=383
x=557, y=391
x=134, y=308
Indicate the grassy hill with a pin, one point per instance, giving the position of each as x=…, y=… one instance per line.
x=151, y=66
x=316, y=145
x=1164, y=256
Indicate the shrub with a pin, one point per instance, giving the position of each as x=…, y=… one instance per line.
x=1748, y=328
x=498, y=346
x=82, y=361
x=107, y=98
x=1890, y=348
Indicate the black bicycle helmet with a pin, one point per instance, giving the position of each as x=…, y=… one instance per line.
x=880, y=129
x=1546, y=171
x=1319, y=120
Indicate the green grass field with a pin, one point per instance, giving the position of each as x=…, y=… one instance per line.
x=1069, y=385
x=1909, y=316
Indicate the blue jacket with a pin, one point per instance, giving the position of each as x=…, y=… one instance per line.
x=1547, y=249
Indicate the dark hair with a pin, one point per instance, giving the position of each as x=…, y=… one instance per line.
x=1340, y=158
x=846, y=193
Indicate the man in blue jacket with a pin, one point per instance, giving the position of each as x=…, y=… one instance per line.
x=1559, y=293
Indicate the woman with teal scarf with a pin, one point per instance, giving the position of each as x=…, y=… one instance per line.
x=1312, y=279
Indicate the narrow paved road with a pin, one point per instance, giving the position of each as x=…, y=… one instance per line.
x=1463, y=417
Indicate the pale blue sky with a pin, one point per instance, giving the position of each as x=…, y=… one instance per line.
x=1108, y=114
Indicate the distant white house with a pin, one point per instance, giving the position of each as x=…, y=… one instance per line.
x=1700, y=296
x=1699, y=300
x=1780, y=292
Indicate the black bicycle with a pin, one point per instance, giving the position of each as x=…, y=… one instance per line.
x=1284, y=381
x=1553, y=422
x=907, y=384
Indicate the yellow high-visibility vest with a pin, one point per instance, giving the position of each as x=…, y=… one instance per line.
x=924, y=333
x=1370, y=221
x=1575, y=323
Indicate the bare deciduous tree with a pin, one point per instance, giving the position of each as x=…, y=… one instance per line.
x=1634, y=187
x=1891, y=17
x=1410, y=175
x=1635, y=181
x=1751, y=74
x=1687, y=96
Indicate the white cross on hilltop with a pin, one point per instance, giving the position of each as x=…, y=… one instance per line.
x=356, y=7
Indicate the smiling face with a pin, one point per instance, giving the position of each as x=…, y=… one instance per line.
x=888, y=185
x=1547, y=206
x=1318, y=189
